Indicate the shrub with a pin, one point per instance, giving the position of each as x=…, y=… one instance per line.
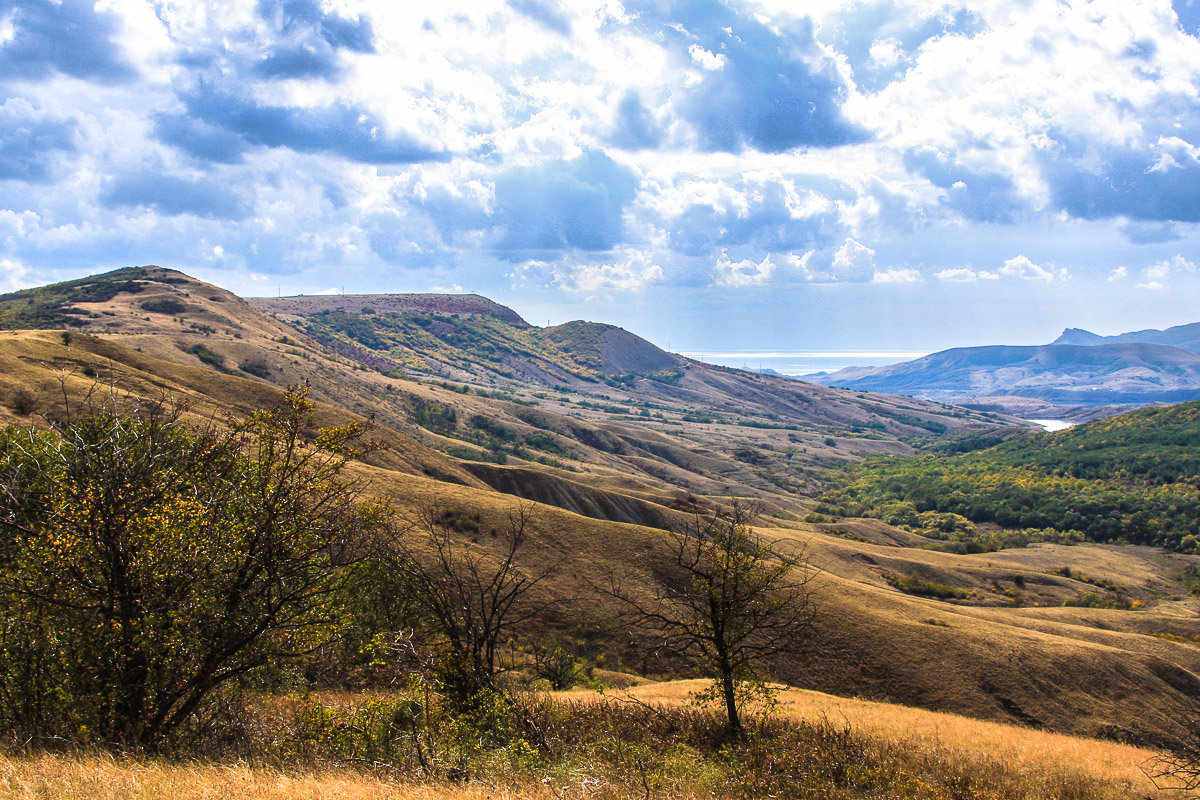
x=915, y=584
x=206, y=356
x=147, y=564
x=258, y=369
x=22, y=402
x=164, y=305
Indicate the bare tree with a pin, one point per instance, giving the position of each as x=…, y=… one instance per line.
x=734, y=604
x=472, y=596
x=1178, y=769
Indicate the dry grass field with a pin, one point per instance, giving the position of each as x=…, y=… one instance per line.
x=940, y=677
x=997, y=760
x=1051, y=756
x=1096, y=672
x=55, y=777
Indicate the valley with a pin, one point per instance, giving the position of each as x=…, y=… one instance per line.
x=607, y=440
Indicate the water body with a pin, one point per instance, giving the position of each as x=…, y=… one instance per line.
x=797, y=363
x=1052, y=424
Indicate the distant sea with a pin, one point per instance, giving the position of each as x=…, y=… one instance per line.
x=797, y=363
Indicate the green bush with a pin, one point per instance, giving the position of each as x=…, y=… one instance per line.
x=207, y=356
x=145, y=564
x=258, y=369
x=915, y=584
x=165, y=305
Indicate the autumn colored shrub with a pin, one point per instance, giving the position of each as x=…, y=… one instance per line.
x=145, y=563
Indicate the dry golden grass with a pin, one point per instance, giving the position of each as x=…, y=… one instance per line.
x=1044, y=764
x=1026, y=749
x=57, y=777
x=1088, y=671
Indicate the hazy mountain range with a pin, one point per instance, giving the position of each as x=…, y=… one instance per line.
x=1078, y=375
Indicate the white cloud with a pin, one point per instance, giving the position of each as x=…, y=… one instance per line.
x=897, y=275
x=1155, y=276
x=11, y=274
x=707, y=60
x=966, y=275
x=1022, y=267
x=958, y=275
x=743, y=273
x=853, y=261
x=887, y=52
x=7, y=31
x=634, y=271
x=499, y=89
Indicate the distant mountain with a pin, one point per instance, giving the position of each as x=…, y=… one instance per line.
x=1186, y=337
x=1018, y=379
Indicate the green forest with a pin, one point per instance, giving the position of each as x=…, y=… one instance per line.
x=1133, y=478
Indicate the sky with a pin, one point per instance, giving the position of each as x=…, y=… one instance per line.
x=893, y=175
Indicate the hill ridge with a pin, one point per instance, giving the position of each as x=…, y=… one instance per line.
x=420, y=303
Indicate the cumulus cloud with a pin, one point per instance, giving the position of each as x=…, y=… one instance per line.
x=547, y=14
x=635, y=127
x=768, y=212
x=1157, y=274
x=958, y=275
x=172, y=195
x=1118, y=274
x=1150, y=232
x=339, y=129
x=880, y=40
x=849, y=262
x=199, y=138
x=743, y=272
x=853, y=262
x=897, y=275
x=739, y=144
x=308, y=39
x=536, y=210
x=633, y=271
x=981, y=195
x=1022, y=267
x=1157, y=182
x=11, y=274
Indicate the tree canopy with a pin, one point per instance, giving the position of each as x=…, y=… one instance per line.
x=145, y=562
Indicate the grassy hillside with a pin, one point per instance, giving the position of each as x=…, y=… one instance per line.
x=1090, y=639
x=1133, y=478
x=873, y=638
x=580, y=403
x=829, y=747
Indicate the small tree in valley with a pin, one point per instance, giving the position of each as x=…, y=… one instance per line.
x=734, y=603
x=472, y=596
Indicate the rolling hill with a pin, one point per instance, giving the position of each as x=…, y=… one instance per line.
x=1130, y=478
x=614, y=439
